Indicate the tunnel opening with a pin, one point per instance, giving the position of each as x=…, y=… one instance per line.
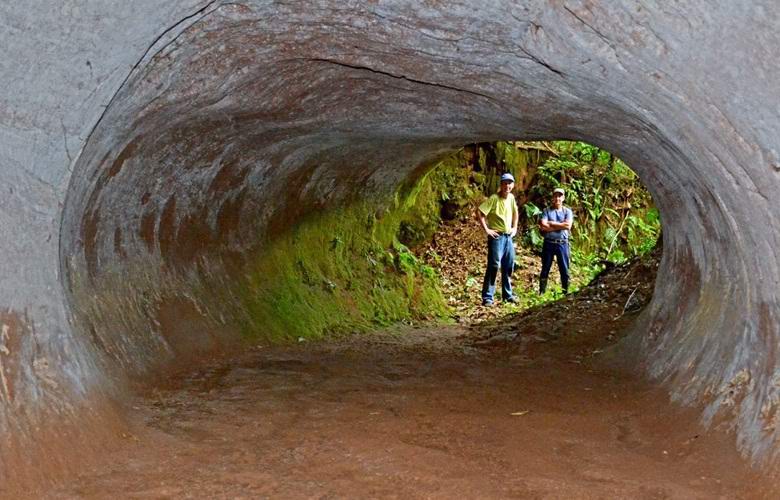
x=616, y=219
x=323, y=270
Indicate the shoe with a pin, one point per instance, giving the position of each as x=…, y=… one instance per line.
x=511, y=300
x=487, y=303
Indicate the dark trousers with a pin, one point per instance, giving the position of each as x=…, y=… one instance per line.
x=501, y=255
x=559, y=251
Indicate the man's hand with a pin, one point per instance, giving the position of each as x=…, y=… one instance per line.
x=483, y=223
x=513, y=232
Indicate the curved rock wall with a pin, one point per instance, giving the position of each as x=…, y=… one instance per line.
x=164, y=145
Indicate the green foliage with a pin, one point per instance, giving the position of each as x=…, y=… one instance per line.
x=532, y=237
x=584, y=267
x=614, y=214
x=531, y=210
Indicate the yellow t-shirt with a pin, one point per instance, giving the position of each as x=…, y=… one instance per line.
x=499, y=211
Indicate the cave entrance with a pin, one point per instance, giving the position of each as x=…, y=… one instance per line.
x=615, y=220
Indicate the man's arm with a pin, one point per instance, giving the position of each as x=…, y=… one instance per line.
x=567, y=222
x=483, y=223
x=547, y=226
x=557, y=226
x=544, y=224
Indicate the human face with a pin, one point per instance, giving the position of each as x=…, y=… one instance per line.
x=506, y=188
x=557, y=200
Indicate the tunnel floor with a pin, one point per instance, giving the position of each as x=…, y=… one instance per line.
x=412, y=412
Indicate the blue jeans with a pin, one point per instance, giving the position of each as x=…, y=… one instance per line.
x=559, y=251
x=501, y=254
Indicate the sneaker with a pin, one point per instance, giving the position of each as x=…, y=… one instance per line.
x=487, y=303
x=511, y=300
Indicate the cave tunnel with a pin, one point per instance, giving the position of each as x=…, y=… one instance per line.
x=153, y=151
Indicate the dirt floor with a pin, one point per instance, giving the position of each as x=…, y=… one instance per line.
x=522, y=407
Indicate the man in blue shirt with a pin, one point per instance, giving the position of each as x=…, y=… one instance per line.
x=555, y=224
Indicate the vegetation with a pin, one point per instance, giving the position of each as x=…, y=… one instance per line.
x=615, y=215
x=615, y=219
x=352, y=269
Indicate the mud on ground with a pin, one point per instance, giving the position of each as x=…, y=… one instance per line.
x=516, y=409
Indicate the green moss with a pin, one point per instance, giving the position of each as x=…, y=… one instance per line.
x=447, y=190
x=340, y=271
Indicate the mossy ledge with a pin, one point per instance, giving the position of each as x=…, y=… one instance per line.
x=343, y=271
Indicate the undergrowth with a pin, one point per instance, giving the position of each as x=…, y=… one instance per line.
x=615, y=219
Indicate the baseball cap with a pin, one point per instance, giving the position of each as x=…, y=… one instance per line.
x=507, y=177
x=559, y=190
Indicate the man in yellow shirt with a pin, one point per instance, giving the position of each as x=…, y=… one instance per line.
x=498, y=217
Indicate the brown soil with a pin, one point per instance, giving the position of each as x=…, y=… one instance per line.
x=520, y=408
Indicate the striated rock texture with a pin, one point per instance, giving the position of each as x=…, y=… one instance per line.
x=150, y=150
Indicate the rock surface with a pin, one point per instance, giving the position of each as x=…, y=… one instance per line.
x=149, y=150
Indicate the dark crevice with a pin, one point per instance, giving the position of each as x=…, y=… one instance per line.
x=580, y=19
x=540, y=62
x=399, y=77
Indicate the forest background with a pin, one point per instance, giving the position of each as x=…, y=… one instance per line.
x=614, y=216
